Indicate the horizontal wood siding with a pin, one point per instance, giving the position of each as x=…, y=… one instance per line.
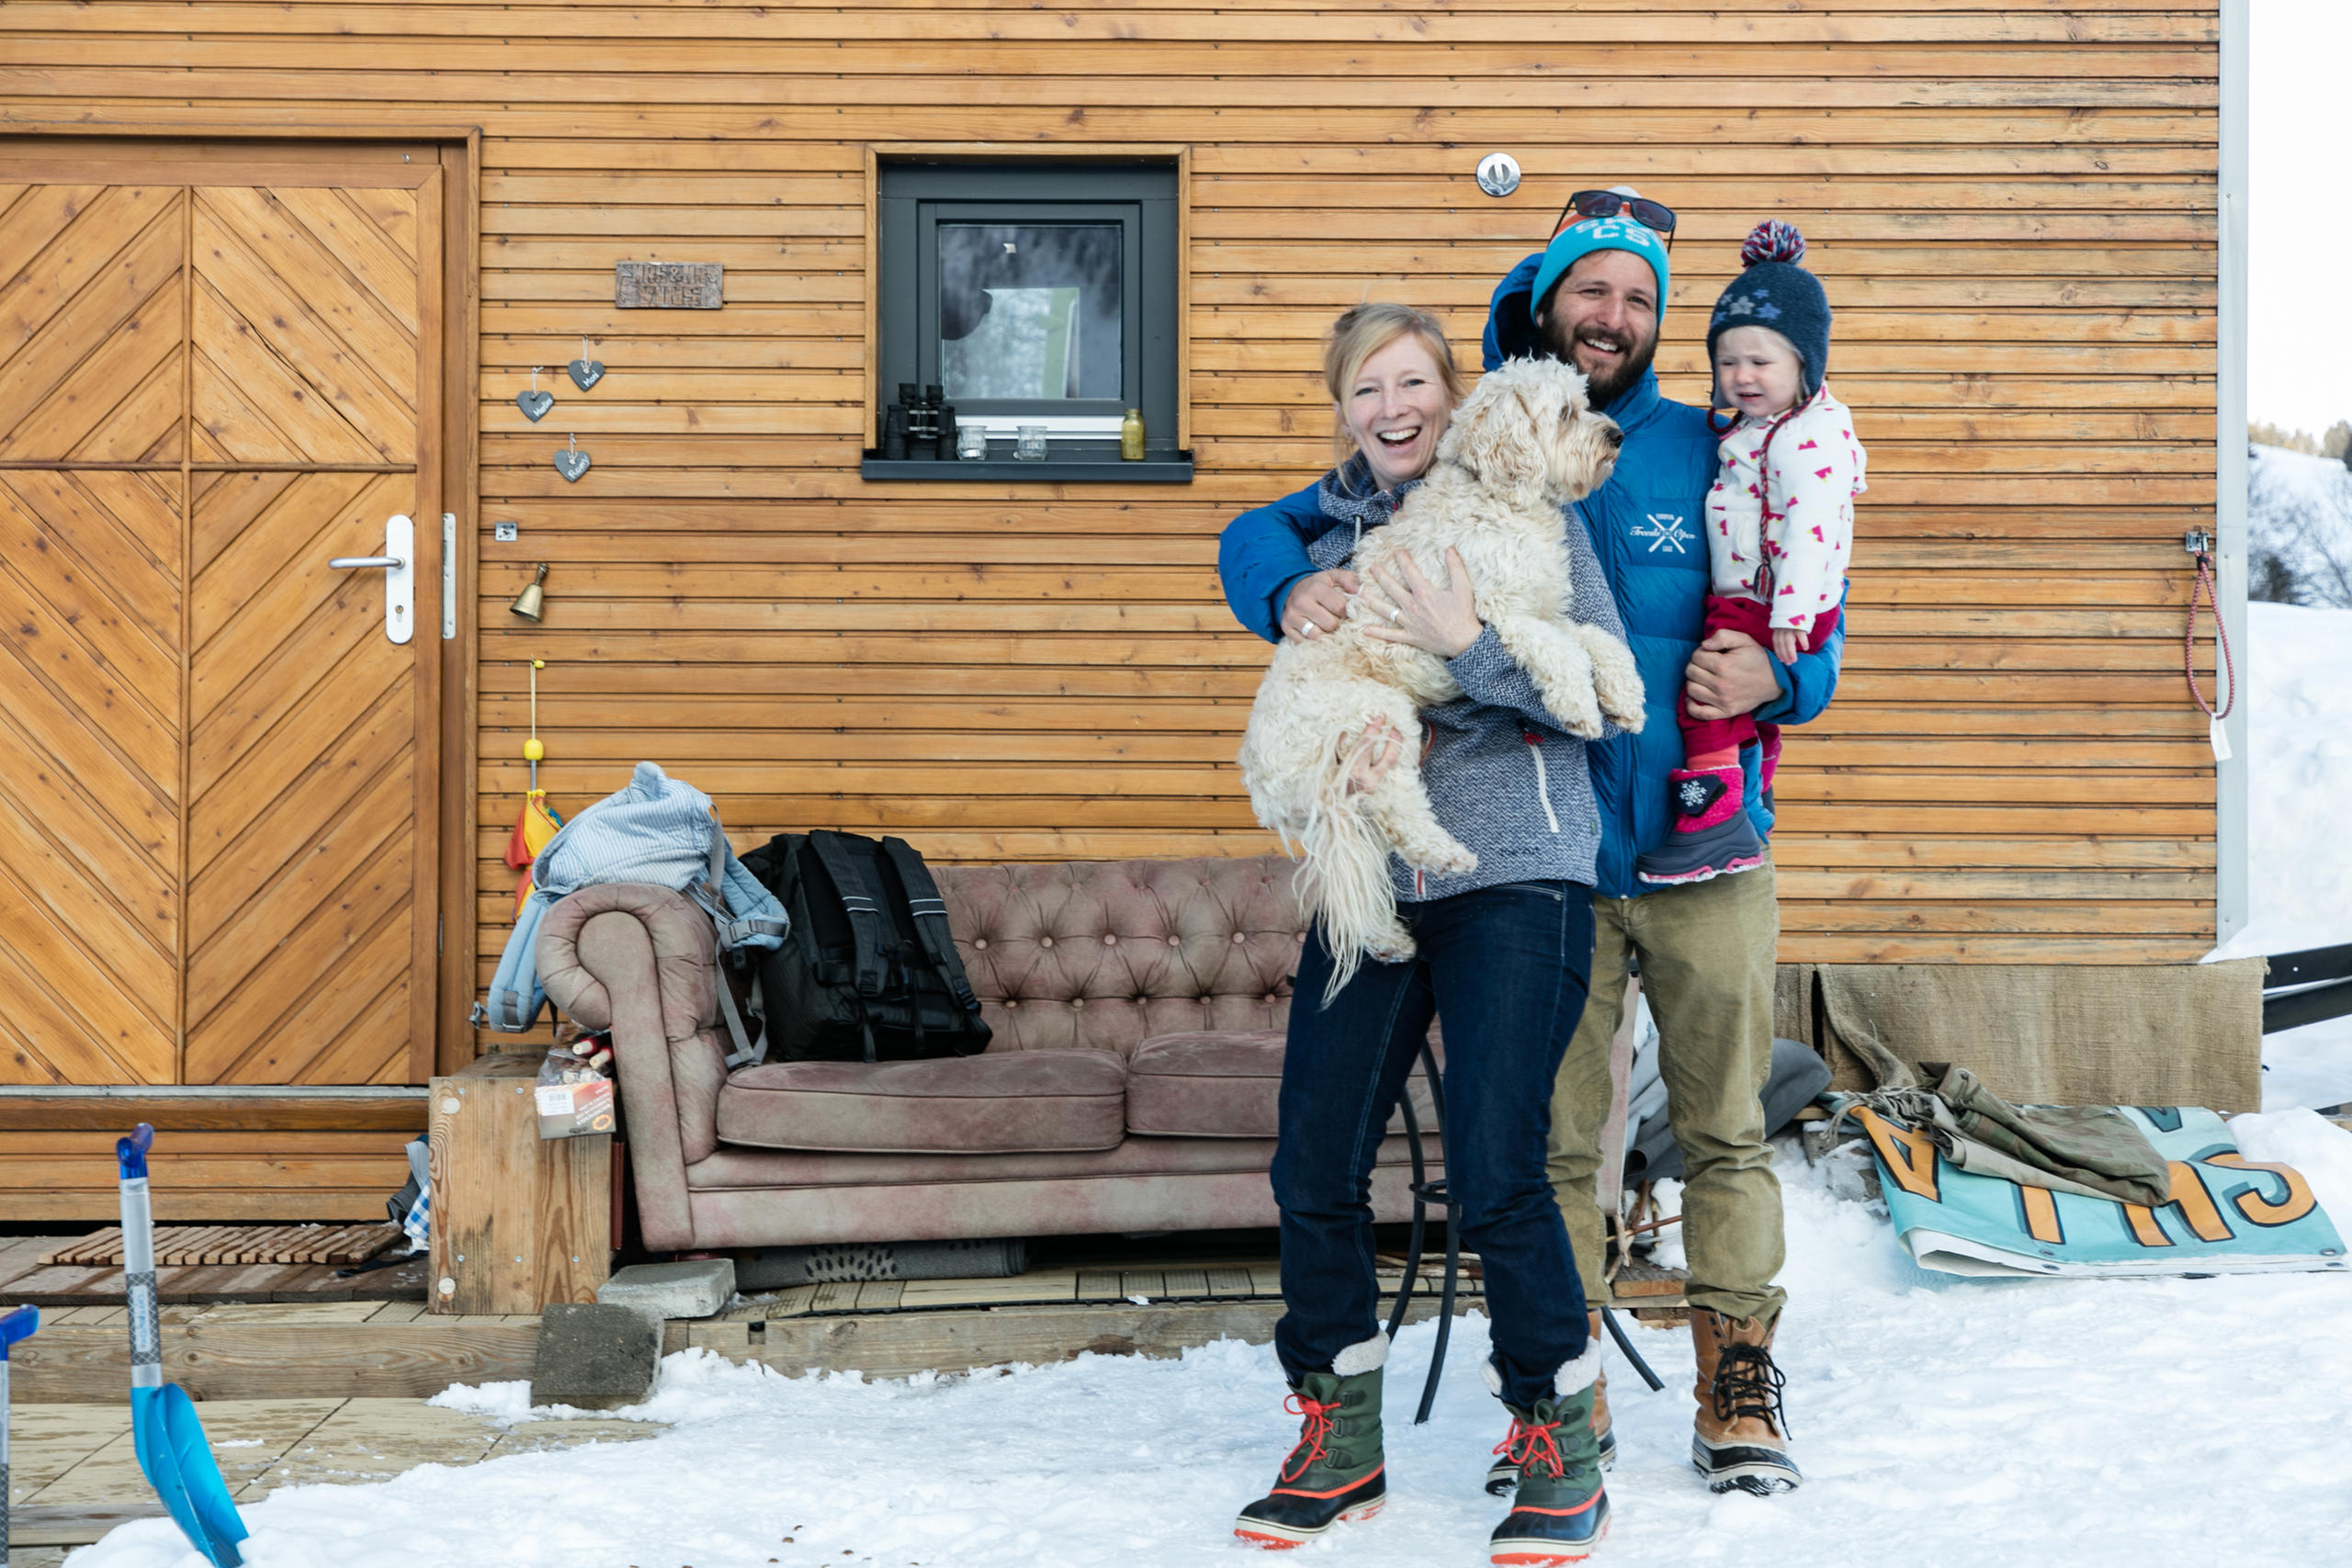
x=2013, y=211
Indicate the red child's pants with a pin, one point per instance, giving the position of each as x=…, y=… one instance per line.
x=1702, y=736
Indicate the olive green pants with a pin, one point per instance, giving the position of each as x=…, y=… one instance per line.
x=1707, y=953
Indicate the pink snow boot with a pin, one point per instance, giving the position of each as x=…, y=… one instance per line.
x=1712, y=836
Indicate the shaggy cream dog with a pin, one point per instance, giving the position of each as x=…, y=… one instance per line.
x=1522, y=443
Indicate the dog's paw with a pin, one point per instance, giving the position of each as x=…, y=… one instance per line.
x=1576, y=707
x=1394, y=945
x=1622, y=699
x=1445, y=856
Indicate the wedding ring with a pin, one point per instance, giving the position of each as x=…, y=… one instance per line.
x=1395, y=614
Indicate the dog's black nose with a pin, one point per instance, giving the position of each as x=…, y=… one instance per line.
x=1616, y=437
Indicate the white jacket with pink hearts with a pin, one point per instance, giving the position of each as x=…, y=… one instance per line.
x=1780, y=516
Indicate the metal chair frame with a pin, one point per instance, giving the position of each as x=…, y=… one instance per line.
x=1427, y=1192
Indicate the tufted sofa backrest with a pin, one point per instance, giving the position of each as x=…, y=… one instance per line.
x=1103, y=954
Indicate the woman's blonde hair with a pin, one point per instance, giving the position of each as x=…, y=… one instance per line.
x=1364, y=332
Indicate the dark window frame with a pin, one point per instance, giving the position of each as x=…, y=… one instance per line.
x=913, y=197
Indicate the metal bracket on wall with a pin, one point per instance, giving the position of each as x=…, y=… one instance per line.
x=449, y=575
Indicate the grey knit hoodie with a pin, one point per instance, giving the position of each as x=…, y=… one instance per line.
x=1503, y=776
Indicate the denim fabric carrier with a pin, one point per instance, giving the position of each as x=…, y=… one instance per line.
x=656, y=830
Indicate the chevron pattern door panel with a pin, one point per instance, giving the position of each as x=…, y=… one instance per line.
x=216, y=852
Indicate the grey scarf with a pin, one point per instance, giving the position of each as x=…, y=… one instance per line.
x=1348, y=494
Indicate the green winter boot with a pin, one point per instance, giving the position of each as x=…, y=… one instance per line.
x=1335, y=1471
x=1560, y=1512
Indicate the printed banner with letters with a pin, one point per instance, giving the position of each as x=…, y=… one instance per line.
x=2227, y=1213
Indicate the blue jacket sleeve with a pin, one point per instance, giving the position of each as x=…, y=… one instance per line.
x=1259, y=557
x=1807, y=686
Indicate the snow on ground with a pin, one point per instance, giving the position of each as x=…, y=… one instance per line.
x=2299, y=733
x=2101, y=1424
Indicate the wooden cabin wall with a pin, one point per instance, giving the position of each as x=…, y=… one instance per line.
x=2013, y=211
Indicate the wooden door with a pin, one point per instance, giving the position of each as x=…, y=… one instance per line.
x=216, y=372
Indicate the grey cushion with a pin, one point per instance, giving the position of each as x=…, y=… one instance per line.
x=998, y=1102
x=1222, y=1084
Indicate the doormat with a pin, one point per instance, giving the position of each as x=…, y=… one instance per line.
x=195, y=1246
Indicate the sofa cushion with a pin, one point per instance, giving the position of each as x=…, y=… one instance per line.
x=1009, y=1102
x=1103, y=955
x=1221, y=1084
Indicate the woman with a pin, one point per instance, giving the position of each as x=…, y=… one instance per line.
x=1504, y=953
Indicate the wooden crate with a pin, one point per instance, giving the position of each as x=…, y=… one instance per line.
x=517, y=1221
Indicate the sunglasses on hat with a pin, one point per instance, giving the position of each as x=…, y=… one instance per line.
x=1587, y=204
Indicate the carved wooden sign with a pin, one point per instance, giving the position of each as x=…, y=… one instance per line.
x=667, y=285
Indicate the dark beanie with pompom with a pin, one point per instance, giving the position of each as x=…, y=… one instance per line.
x=1774, y=292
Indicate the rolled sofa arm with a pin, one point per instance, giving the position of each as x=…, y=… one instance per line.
x=639, y=960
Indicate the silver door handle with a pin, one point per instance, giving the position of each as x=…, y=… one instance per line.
x=399, y=577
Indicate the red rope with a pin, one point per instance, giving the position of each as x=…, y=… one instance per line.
x=2204, y=587
x=1311, y=1431
x=1529, y=1443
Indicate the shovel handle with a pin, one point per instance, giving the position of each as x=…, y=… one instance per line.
x=17, y=1325
x=130, y=1153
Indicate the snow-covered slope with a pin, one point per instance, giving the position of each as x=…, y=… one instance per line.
x=2297, y=679
x=2298, y=528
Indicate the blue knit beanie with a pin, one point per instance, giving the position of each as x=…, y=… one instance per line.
x=1587, y=235
x=1775, y=293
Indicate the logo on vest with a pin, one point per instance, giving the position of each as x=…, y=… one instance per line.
x=1665, y=531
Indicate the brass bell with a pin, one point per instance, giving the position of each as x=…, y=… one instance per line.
x=529, y=603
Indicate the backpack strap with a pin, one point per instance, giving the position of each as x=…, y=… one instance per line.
x=864, y=911
x=732, y=934
x=745, y=1053
x=930, y=912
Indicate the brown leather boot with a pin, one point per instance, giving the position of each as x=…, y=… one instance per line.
x=1741, y=1439
x=1503, y=1474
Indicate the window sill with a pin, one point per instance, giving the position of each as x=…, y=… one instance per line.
x=1165, y=468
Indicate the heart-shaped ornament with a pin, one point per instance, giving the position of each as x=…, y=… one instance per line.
x=584, y=373
x=535, y=404
x=572, y=464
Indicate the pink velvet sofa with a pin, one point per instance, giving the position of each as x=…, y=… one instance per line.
x=1137, y=1006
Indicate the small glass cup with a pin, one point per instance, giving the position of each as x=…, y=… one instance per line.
x=971, y=441
x=1031, y=446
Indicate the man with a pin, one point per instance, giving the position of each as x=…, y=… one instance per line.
x=1594, y=298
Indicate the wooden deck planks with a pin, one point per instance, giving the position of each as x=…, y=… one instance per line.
x=74, y=1476
x=177, y=1245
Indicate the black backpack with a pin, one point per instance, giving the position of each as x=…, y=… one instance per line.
x=868, y=971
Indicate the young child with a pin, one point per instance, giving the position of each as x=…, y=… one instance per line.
x=1780, y=529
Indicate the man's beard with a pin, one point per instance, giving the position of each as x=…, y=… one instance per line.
x=1602, y=387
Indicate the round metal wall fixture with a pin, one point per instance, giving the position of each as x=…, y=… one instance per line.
x=1498, y=173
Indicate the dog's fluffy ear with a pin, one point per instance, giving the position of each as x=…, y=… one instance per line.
x=1498, y=425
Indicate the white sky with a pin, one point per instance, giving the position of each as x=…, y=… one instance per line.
x=2300, y=353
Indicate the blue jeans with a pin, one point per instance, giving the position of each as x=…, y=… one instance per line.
x=1507, y=968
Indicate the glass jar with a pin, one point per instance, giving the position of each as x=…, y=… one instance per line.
x=1030, y=445
x=971, y=441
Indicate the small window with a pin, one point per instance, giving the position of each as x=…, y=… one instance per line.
x=1034, y=296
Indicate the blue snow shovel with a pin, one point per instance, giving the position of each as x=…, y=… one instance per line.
x=17, y=1326
x=172, y=1450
